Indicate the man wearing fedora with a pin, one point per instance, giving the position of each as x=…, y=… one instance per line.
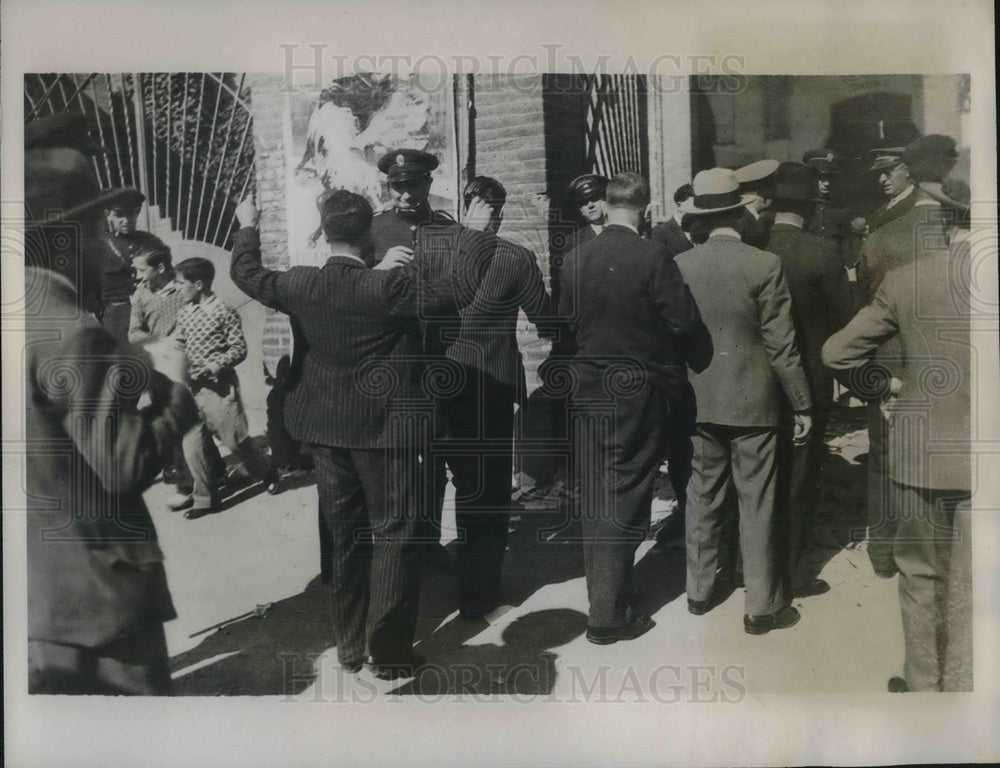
x=754, y=180
x=638, y=328
x=821, y=304
x=741, y=397
x=121, y=242
x=97, y=589
x=896, y=242
x=924, y=304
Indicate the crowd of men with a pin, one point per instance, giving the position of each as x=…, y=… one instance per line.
x=710, y=341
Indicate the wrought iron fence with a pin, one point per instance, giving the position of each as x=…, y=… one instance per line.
x=184, y=139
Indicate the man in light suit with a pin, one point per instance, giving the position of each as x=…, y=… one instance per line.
x=637, y=327
x=894, y=243
x=925, y=304
x=358, y=402
x=821, y=304
x=744, y=298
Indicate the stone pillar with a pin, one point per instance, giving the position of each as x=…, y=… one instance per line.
x=669, y=109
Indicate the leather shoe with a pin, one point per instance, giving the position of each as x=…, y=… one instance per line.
x=636, y=627
x=699, y=607
x=898, y=685
x=195, y=512
x=811, y=588
x=761, y=625
x=180, y=501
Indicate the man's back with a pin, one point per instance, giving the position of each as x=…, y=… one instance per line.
x=626, y=298
x=821, y=298
x=745, y=302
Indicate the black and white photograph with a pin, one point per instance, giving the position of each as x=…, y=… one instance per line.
x=373, y=396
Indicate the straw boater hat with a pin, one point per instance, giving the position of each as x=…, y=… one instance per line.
x=750, y=177
x=715, y=190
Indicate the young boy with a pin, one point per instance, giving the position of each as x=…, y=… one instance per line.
x=155, y=304
x=214, y=343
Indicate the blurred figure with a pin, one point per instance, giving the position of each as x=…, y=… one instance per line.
x=97, y=590
x=925, y=306
x=746, y=304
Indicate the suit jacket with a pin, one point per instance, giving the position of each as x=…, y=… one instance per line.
x=363, y=337
x=95, y=570
x=670, y=234
x=884, y=214
x=627, y=303
x=391, y=228
x=754, y=230
x=487, y=337
x=744, y=298
x=821, y=299
x=925, y=305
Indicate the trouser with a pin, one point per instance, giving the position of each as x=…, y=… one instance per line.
x=134, y=664
x=617, y=449
x=284, y=449
x=881, y=526
x=222, y=415
x=933, y=552
x=185, y=480
x=479, y=449
x=744, y=457
x=369, y=501
x=799, y=475
x=680, y=450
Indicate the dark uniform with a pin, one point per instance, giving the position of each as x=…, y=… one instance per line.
x=114, y=308
x=392, y=227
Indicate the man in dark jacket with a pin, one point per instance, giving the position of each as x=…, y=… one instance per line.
x=637, y=328
x=821, y=304
x=97, y=589
x=360, y=403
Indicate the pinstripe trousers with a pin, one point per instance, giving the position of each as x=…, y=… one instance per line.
x=368, y=500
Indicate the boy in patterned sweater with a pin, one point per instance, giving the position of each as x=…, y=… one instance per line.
x=214, y=343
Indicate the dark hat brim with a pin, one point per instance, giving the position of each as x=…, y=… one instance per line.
x=108, y=200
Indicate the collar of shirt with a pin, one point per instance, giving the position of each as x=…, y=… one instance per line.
x=207, y=303
x=753, y=212
x=900, y=197
x=629, y=227
x=169, y=289
x=724, y=232
x=598, y=228
x=350, y=256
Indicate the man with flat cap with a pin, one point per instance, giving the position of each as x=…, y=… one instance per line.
x=745, y=302
x=97, y=589
x=121, y=242
x=408, y=175
x=821, y=304
x=898, y=241
x=754, y=179
x=894, y=178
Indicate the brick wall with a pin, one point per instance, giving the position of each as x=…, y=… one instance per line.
x=268, y=105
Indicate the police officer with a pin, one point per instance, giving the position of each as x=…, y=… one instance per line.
x=121, y=242
x=408, y=173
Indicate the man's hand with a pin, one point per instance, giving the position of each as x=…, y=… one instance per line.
x=888, y=404
x=803, y=426
x=478, y=215
x=395, y=257
x=169, y=359
x=247, y=213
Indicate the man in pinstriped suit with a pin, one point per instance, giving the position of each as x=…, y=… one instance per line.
x=359, y=387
